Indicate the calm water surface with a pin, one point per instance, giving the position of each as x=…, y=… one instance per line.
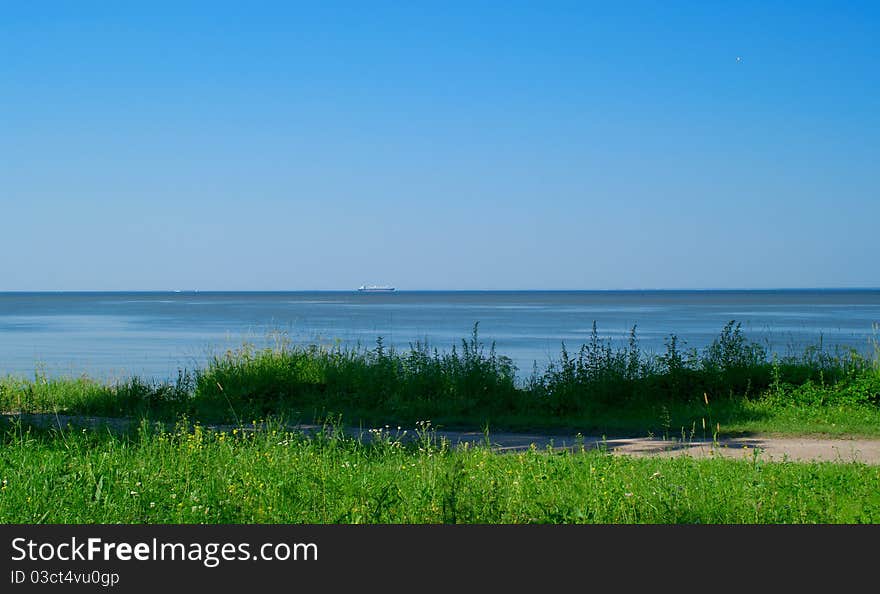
x=111, y=335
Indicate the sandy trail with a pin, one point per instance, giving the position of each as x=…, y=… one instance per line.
x=769, y=448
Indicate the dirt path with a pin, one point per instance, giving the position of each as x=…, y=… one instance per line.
x=766, y=447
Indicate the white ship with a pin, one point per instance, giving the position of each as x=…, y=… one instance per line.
x=376, y=289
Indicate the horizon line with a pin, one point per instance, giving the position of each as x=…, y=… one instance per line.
x=418, y=290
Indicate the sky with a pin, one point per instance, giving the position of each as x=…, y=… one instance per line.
x=439, y=145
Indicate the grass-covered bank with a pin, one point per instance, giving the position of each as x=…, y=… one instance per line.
x=731, y=386
x=195, y=476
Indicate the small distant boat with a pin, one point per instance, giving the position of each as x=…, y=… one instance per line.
x=376, y=289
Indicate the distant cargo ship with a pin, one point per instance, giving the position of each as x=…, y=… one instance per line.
x=376, y=289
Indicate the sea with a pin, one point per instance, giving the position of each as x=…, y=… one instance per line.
x=113, y=335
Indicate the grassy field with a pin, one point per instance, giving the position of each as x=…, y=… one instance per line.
x=189, y=475
x=731, y=387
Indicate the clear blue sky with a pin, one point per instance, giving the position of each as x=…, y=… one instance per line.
x=472, y=145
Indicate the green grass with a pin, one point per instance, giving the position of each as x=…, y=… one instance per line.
x=195, y=476
x=186, y=474
x=733, y=386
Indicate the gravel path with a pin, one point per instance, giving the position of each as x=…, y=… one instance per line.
x=766, y=447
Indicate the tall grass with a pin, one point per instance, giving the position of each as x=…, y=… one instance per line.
x=414, y=383
x=472, y=382
x=730, y=367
